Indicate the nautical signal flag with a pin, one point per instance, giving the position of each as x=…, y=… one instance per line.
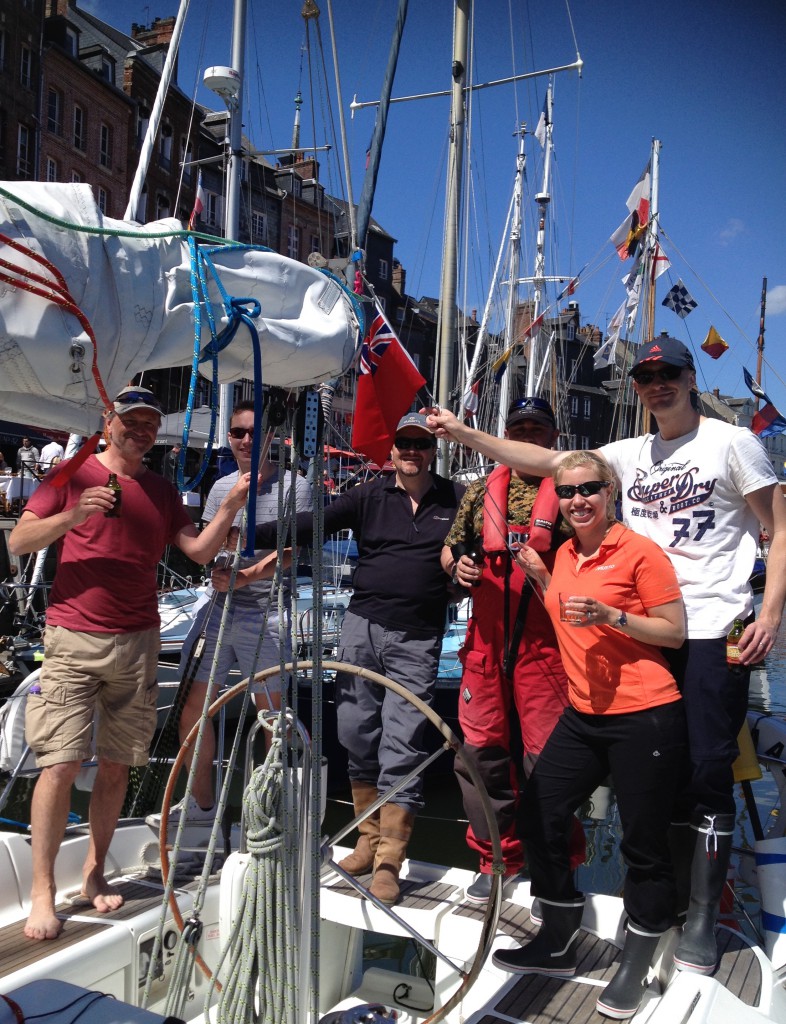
x=199, y=204
x=471, y=400
x=713, y=344
x=388, y=381
x=680, y=300
x=767, y=421
x=626, y=238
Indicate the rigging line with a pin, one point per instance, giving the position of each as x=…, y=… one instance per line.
x=93, y=229
x=572, y=26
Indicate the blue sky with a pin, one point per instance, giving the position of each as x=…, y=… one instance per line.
x=705, y=77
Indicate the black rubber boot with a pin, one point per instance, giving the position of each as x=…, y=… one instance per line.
x=553, y=950
x=698, y=950
x=682, y=845
x=622, y=996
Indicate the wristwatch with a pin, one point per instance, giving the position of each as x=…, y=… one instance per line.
x=621, y=621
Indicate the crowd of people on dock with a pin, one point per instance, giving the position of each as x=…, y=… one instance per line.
x=603, y=587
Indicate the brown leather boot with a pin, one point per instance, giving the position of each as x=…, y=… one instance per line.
x=361, y=859
x=394, y=832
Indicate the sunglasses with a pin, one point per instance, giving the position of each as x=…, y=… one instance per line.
x=531, y=405
x=134, y=397
x=586, y=490
x=418, y=444
x=240, y=432
x=645, y=377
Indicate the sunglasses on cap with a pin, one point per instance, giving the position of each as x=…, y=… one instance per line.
x=586, y=490
x=135, y=397
x=240, y=432
x=418, y=444
x=531, y=405
x=665, y=373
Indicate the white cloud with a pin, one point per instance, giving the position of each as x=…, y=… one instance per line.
x=776, y=299
x=734, y=227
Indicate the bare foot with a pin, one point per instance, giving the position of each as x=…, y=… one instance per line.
x=101, y=894
x=42, y=923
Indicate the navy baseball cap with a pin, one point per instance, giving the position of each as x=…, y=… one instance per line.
x=531, y=409
x=663, y=349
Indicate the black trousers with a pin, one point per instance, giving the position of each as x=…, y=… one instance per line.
x=715, y=695
x=643, y=752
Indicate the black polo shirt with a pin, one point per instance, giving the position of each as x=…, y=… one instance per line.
x=399, y=582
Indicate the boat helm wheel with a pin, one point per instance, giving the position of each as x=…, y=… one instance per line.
x=466, y=978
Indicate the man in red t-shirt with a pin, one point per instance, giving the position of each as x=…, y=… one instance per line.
x=102, y=635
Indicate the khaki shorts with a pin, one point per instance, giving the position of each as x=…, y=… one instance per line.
x=109, y=677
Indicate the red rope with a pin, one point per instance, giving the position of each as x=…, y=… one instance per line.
x=57, y=291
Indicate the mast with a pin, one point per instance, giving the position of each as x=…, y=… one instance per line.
x=648, y=268
x=513, y=279
x=232, y=222
x=760, y=339
x=543, y=198
x=447, y=296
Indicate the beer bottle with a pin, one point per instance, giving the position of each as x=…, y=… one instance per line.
x=114, y=511
x=733, y=642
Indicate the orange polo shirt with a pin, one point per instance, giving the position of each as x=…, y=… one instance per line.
x=609, y=672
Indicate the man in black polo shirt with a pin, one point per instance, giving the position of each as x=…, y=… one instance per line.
x=394, y=626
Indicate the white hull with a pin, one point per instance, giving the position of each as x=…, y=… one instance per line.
x=112, y=953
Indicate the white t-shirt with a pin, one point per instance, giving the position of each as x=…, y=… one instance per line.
x=256, y=594
x=688, y=495
x=50, y=451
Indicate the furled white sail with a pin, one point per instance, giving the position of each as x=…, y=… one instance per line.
x=136, y=291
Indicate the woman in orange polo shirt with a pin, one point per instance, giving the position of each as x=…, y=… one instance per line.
x=614, y=600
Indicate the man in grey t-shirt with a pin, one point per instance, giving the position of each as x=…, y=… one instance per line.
x=252, y=597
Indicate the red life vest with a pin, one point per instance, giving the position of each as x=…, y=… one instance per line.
x=496, y=528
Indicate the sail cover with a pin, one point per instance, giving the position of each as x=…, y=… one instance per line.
x=135, y=290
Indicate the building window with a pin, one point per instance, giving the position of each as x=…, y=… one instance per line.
x=76, y=176
x=3, y=44
x=259, y=228
x=186, y=156
x=382, y=302
x=587, y=406
x=162, y=206
x=573, y=369
x=293, y=242
x=384, y=270
x=72, y=42
x=105, y=146
x=55, y=112
x=315, y=245
x=572, y=442
x=52, y=170
x=26, y=66
x=570, y=332
x=141, y=208
x=585, y=443
x=24, y=152
x=143, y=120
x=103, y=200
x=165, y=148
x=213, y=209
x=400, y=313
x=80, y=132
x=574, y=405
x=107, y=69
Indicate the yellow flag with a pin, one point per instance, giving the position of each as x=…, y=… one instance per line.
x=713, y=344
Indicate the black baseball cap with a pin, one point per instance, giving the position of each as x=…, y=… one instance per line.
x=663, y=349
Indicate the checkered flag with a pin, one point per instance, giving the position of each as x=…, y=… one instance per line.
x=680, y=300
